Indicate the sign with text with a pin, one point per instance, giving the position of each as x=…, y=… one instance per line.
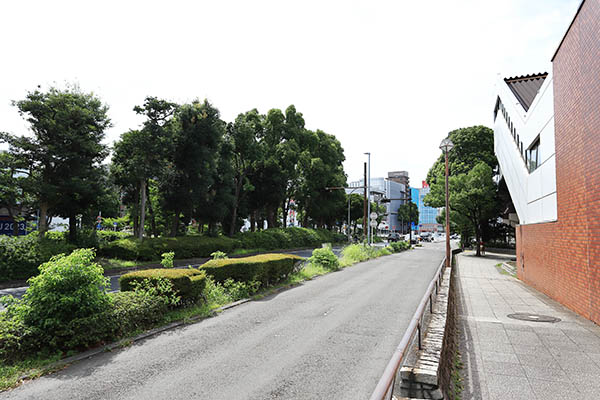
x=7, y=225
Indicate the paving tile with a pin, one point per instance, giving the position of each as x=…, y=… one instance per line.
x=509, y=387
x=548, y=390
x=539, y=359
x=499, y=357
x=545, y=372
x=494, y=346
x=503, y=368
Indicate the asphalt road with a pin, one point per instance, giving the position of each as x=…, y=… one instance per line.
x=329, y=338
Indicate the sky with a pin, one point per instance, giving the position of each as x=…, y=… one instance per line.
x=387, y=77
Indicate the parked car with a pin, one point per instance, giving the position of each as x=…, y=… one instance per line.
x=394, y=237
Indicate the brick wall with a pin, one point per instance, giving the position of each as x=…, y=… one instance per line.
x=562, y=259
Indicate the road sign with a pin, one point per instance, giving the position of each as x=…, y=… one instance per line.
x=373, y=215
x=373, y=223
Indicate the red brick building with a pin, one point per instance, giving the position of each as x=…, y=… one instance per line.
x=562, y=257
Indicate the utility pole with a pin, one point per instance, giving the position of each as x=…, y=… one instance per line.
x=365, y=213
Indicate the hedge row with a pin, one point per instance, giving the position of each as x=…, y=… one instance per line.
x=264, y=268
x=202, y=246
x=21, y=256
x=188, y=283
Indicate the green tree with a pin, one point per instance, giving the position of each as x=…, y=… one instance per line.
x=65, y=150
x=471, y=207
x=140, y=155
x=244, y=135
x=193, y=161
x=408, y=213
x=17, y=186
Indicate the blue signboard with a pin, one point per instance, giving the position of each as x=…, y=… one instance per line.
x=7, y=225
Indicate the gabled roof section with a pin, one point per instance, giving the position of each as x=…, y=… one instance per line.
x=526, y=87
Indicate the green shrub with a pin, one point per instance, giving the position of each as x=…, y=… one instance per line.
x=21, y=256
x=135, y=310
x=218, y=255
x=124, y=249
x=356, y=253
x=151, y=249
x=399, y=246
x=111, y=236
x=325, y=258
x=263, y=268
x=167, y=259
x=190, y=290
x=65, y=304
x=159, y=288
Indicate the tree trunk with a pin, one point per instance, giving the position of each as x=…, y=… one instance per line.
x=43, y=219
x=72, y=229
x=478, y=240
x=270, y=217
x=142, y=208
x=175, y=224
x=253, y=221
x=152, y=215
x=284, y=208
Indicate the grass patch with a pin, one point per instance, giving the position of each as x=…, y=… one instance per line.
x=111, y=264
x=243, y=252
x=35, y=367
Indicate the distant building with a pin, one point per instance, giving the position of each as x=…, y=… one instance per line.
x=387, y=188
x=427, y=215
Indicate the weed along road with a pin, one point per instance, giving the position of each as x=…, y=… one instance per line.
x=329, y=338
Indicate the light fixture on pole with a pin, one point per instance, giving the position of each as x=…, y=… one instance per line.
x=446, y=146
x=368, y=185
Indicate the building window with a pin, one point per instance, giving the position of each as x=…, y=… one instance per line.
x=533, y=155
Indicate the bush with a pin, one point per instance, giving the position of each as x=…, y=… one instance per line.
x=111, y=236
x=399, y=246
x=186, y=283
x=264, y=268
x=151, y=249
x=21, y=256
x=135, y=310
x=167, y=259
x=65, y=304
x=356, y=253
x=325, y=258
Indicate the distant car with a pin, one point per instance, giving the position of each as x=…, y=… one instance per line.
x=427, y=237
x=394, y=237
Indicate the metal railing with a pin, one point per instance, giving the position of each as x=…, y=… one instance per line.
x=385, y=386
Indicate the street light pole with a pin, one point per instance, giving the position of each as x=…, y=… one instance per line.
x=446, y=146
x=368, y=185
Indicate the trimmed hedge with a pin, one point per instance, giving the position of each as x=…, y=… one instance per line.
x=150, y=249
x=263, y=268
x=188, y=283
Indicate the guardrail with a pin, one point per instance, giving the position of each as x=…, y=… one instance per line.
x=385, y=387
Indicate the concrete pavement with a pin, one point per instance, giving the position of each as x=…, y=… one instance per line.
x=329, y=338
x=506, y=358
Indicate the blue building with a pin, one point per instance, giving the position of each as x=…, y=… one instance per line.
x=427, y=215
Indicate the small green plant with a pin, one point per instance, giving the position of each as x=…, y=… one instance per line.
x=218, y=255
x=240, y=290
x=158, y=287
x=325, y=258
x=167, y=259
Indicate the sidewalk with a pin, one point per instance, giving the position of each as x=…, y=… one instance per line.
x=506, y=358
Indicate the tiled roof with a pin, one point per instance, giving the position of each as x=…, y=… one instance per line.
x=526, y=87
